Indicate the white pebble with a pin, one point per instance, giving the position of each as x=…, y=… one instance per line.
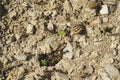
x=105, y=20
x=30, y=29
x=20, y=57
x=112, y=71
x=104, y=75
x=50, y=26
x=104, y=10
x=68, y=51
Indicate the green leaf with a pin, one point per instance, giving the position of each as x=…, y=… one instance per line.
x=61, y=32
x=44, y=62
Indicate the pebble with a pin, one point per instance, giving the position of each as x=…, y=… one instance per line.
x=29, y=77
x=114, y=52
x=76, y=38
x=30, y=29
x=52, y=42
x=78, y=52
x=104, y=9
x=112, y=71
x=90, y=69
x=33, y=22
x=17, y=36
x=94, y=23
x=60, y=76
x=105, y=20
x=67, y=6
x=113, y=38
x=118, y=47
x=81, y=39
x=32, y=13
x=50, y=26
x=113, y=44
x=21, y=71
x=4, y=60
x=54, y=13
x=68, y=51
x=21, y=57
x=111, y=60
x=94, y=54
x=65, y=65
x=12, y=14
x=104, y=75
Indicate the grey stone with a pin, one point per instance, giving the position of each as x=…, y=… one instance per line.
x=21, y=57
x=68, y=51
x=112, y=71
x=30, y=29
x=104, y=75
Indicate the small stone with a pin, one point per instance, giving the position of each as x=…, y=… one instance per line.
x=114, y=52
x=117, y=29
x=12, y=14
x=60, y=76
x=32, y=13
x=67, y=7
x=90, y=69
x=30, y=29
x=54, y=13
x=104, y=10
x=105, y=20
x=50, y=26
x=33, y=22
x=75, y=38
x=112, y=71
x=94, y=55
x=113, y=38
x=78, y=52
x=68, y=51
x=52, y=42
x=113, y=44
x=87, y=78
x=118, y=47
x=94, y=23
x=65, y=65
x=21, y=57
x=17, y=36
x=4, y=60
x=29, y=77
x=21, y=71
x=81, y=39
x=111, y=60
x=104, y=75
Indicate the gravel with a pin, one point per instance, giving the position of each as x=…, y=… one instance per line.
x=60, y=40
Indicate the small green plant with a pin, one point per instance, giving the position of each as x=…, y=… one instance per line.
x=44, y=62
x=61, y=32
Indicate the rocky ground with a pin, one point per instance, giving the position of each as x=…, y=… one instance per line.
x=59, y=39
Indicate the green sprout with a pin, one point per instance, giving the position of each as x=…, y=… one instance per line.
x=44, y=62
x=61, y=32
